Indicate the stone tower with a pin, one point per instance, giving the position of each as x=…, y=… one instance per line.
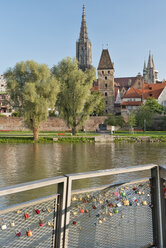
x=149, y=73
x=106, y=80
x=83, y=46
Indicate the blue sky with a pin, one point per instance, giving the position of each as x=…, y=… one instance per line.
x=46, y=31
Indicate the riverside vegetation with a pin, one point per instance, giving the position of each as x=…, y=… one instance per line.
x=47, y=137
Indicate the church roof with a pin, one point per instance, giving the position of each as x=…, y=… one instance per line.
x=125, y=81
x=105, y=61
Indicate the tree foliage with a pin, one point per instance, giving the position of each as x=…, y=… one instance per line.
x=32, y=89
x=100, y=108
x=115, y=120
x=153, y=105
x=144, y=115
x=132, y=121
x=75, y=101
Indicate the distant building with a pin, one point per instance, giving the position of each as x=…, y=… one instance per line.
x=83, y=46
x=124, y=83
x=105, y=72
x=4, y=107
x=149, y=73
x=136, y=97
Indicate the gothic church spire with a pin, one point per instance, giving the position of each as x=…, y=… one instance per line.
x=83, y=30
x=83, y=46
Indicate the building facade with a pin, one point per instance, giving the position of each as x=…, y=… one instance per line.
x=83, y=46
x=105, y=72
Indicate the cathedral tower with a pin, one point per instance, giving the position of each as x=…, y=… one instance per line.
x=149, y=73
x=83, y=46
x=106, y=80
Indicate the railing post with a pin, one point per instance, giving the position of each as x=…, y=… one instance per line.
x=163, y=205
x=60, y=216
x=157, y=207
x=67, y=213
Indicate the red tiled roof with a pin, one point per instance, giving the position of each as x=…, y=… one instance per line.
x=131, y=103
x=148, y=90
x=132, y=93
x=95, y=88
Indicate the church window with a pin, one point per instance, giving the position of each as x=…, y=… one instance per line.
x=105, y=93
x=106, y=86
x=105, y=78
x=102, y=72
x=108, y=72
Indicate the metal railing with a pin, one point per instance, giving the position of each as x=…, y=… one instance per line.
x=127, y=214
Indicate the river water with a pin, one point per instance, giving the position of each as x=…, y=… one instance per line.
x=21, y=163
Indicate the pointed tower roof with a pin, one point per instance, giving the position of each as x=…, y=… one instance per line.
x=118, y=98
x=144, y=66
x=83, y=30
x=105, y=61
x=150, y=61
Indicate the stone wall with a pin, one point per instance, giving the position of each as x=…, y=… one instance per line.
x=52, y=124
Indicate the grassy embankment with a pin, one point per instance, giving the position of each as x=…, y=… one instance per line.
x=7, y=137
x=152, y=136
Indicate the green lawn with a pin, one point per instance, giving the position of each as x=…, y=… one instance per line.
x=141, y=133
x=44, y=137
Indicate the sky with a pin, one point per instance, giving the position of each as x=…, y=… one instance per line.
x=47, y=30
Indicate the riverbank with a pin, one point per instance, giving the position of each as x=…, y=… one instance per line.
x=7, y=137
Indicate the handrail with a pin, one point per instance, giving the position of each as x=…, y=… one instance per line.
x=31, y=185
x=163, y=167
x=110, y=172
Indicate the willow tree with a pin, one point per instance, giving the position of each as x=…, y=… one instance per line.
x=75, y=100
x=32, y=89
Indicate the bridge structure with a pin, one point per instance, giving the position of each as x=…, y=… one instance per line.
x=129, y=210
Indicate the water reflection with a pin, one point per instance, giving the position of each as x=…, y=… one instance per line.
x=28, y=162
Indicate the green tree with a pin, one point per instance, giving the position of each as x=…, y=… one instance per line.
x=100, y=108
x=153, y=105
x=132, y=121
x=145, y=116
x=75, y=101
x=115, y=120
x=32, y=89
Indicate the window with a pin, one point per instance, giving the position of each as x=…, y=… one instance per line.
x=106, y=102
x=105, y=78
x=108, y=72
x=102, y=72
x=106, y=86
x=150, y=94
x=106, y=111
x=105, y=93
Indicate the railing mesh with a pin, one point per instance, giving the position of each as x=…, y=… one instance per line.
x=116, y=217
x=28, y=225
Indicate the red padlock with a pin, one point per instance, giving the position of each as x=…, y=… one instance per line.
x=26, y=216
x=18, y=234
x=37, y=211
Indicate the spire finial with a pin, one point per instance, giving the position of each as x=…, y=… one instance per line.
x=83, y=8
